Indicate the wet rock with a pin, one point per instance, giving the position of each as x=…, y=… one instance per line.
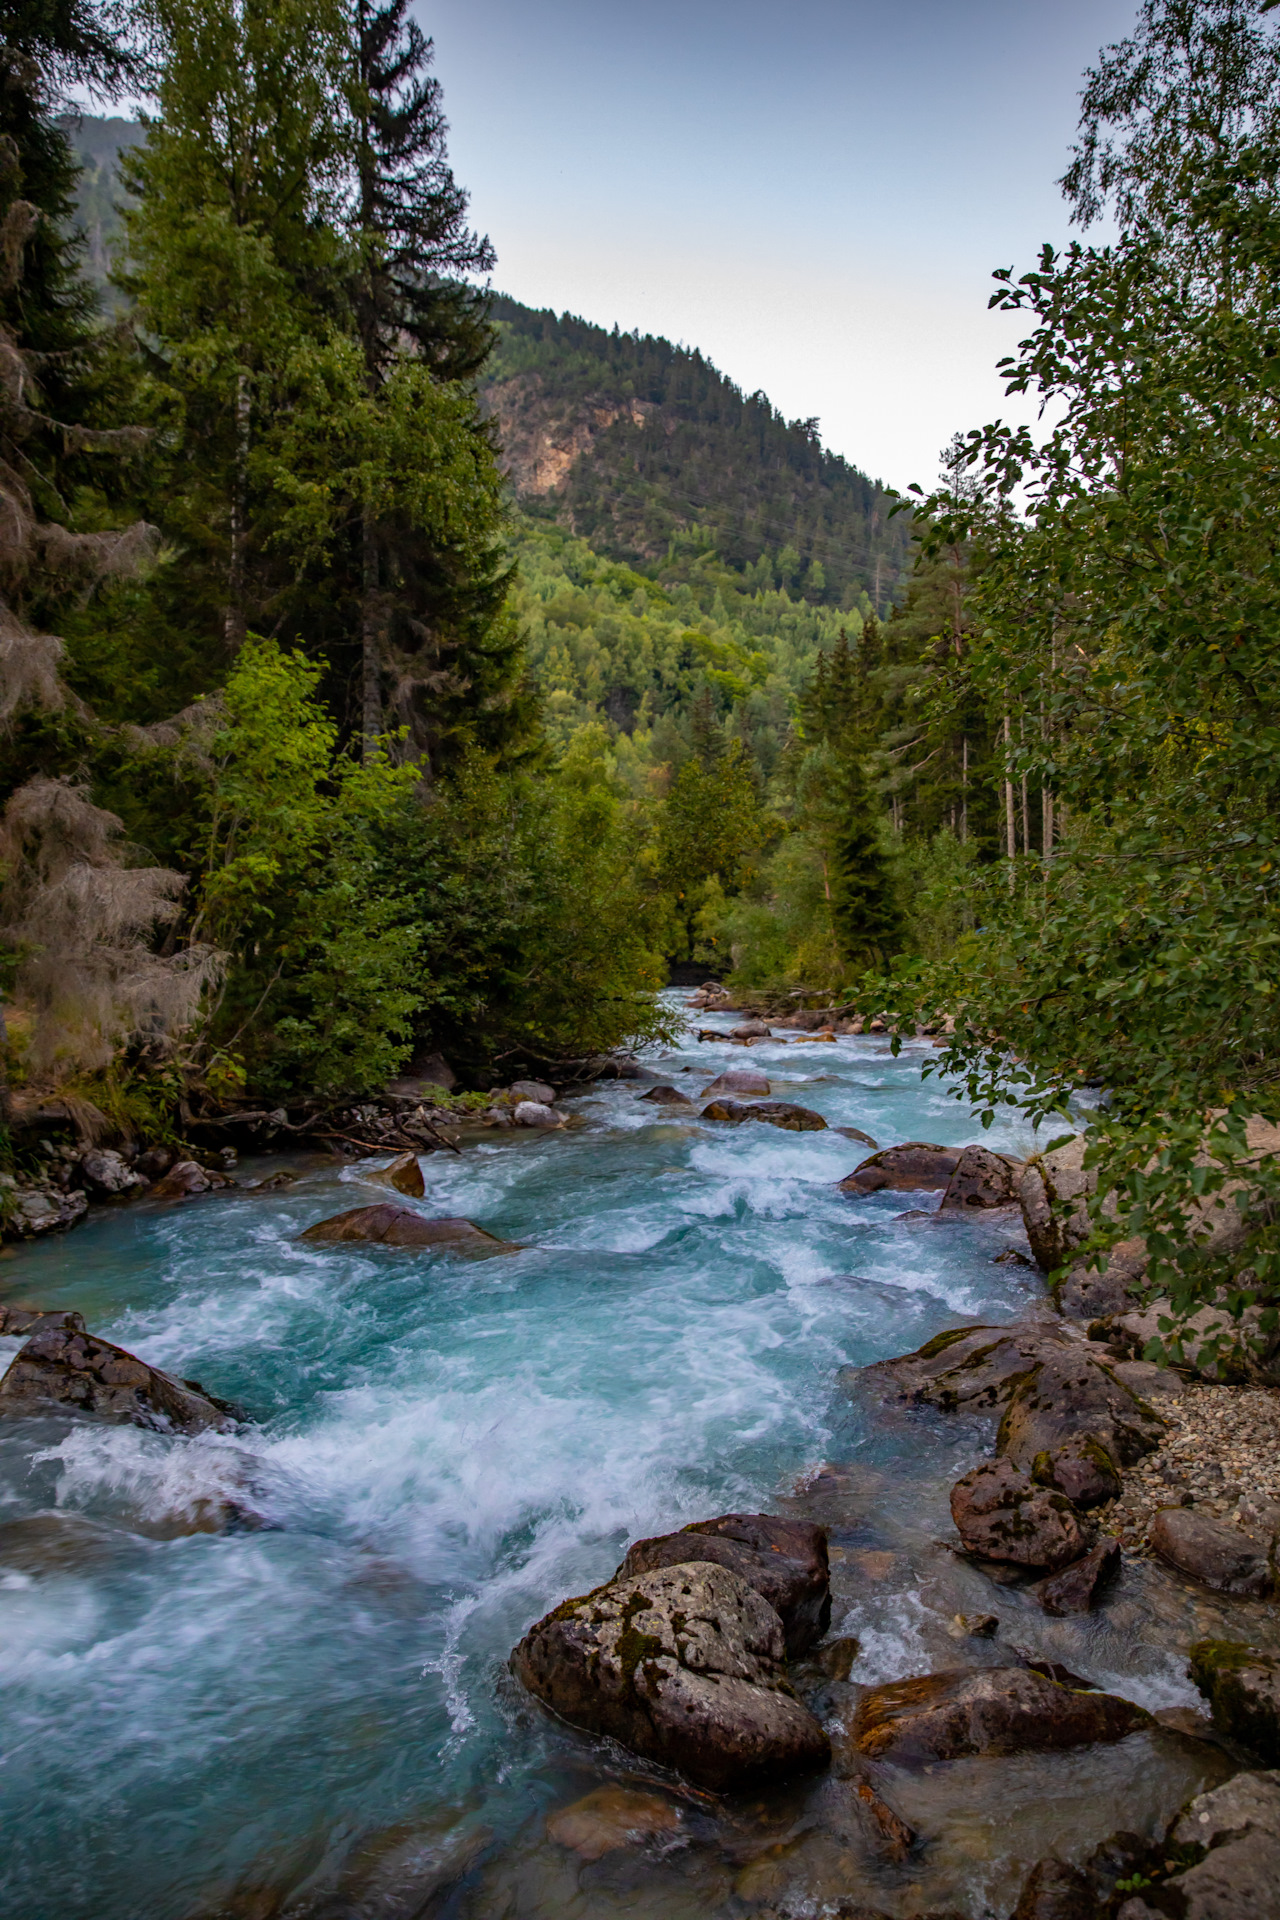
x=536, y=1090
x=974, y=1626
x=391, y=1226
x=914, y=1167
x=1070, y=1394
x=1077, y=1588
x=187, y=1177
x=1238, y=1877
x=1211, y=1552
x=750, y=1030
x=610, y=1818
x=272, y=1182
x=404, y=1173
x=785, y=1561
x=105, y=1172
x=48, y=1544
x=985, y=1710
x=67, y=1368
x=737, y=1080
x=1000, y=1514
x=1055, y=1891
x=21, y=1322
x=685, y=1666
x=667, y=1097
x=974, y=1369
x=1082, y=1469
x=37, y=1211
x=834, y=1658
x=982, y=1179
x=155, y=1162
x=1148, y=1381
x=856, y=1133
x=775, y=1113
x=532, y=1113
x=890, y=1832
x=1242, y=1686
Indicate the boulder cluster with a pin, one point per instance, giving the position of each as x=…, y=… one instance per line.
x=64, y=1367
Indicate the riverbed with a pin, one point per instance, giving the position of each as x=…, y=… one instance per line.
x=265, y=1673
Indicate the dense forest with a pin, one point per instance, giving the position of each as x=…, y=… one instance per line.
x=389, y=667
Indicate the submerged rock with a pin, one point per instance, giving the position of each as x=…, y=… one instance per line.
x=785, y=1561
x=982, y=1179
x=982, y=1711
x=667, y=1097
x=1242, y=1686
x=917, y=1166
x=1000, y=1514
x=404, y=1173
x=391, y=1226
x=1076, y=1588
x=737, y=1080
x=1213, y=1553
x=775, y=1113
x=685, y=1666
x=68, y=1368
x=1055, y=1891
x=856, y=1133
x=610, y=1818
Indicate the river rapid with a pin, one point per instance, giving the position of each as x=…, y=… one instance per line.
x=309, y=1711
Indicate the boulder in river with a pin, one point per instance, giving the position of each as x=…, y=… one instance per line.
x=105, y=1172
x=1072, y=1393
x=391, y=1226
x=914, y=1167
x=532, y=1113
x=1211, y=1552
x=1082, y=1469
x=1242, y=1686
x=982, y=1179
x=856, y=1133
x=750, y=1030
x=404, y=1173
x=612, y=1817
x=974, y=1369
x=1000, y=1514
x=737, y=1080
x=1077, y=1587
x=68, y=1368
x=686, y=1666
x=1231, y=1839
x=775, y=1113
x=784, y=1560
x=667, y=1097
x=187, y=1177
x=22, y=1322
x=984, y=1711
x=536, y=1090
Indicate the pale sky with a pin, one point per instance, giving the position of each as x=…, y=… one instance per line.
x=816, y=195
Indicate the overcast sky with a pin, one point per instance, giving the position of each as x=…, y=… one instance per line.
x=815, y=194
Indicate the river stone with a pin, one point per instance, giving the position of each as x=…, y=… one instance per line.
x=532, y=1113
x=1211, y=1552
x=1242, y=1686
x=667, y=1097
x=856, y=1133
x=1082, y=1469
x=535, y=1090
x=913, y=1167
x=977, y=1368
x=1055, y=1891
x=1068, y=1395
x=985, y=1710
x=1076, y=1588
x=784, y=1560
x=404, y=1173
x=609, y=1818
x=392, y=1226
x=686, y=1666
x=982, y=1179
x=1239, y=1877
x=750, y=1030
x=66, y=1367
x=187, y=1177
x=737, y=1080
x=776, y=1113
x=46, y=1210
x=104, y=1171
x=22, y=1322
x=1002, y=1515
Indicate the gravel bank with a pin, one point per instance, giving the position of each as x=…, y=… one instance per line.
x=1222, y=1455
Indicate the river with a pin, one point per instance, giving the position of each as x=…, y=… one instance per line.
x=309, y=1711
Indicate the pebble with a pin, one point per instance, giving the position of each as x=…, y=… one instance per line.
x=1223, y=1447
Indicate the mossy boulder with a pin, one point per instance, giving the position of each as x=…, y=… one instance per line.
x=1242, y=1686
x=1000, y=1514
x=784, y=1560
x=1068, y=1395
x=982, y=1711
x=685, y=1666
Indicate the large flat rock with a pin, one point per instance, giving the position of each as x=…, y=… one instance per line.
x=985, y=1711
x=391, y=1226
x=64, y=1367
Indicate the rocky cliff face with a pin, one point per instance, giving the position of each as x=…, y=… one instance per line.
x=542, y=441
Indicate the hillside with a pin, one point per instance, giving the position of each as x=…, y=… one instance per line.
x=653, y=456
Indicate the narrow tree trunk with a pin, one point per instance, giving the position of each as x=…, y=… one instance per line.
x=964, y=790
x=1011, y=839
x=234, y=623
x=370, y=652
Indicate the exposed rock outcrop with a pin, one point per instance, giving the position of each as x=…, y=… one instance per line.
x=1000, y=1514
x=685, y=1665
x=391, y=1226
x=915, y=1167
x=982, y=1711
x=784, y=1560
x=1242, y=1686
x=65, y=1367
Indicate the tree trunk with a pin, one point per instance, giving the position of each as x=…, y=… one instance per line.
x=1011, y=838
x=964, y=790
x=234, y=625
x=370, y=652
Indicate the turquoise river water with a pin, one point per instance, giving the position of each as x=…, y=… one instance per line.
x=309, y=1712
